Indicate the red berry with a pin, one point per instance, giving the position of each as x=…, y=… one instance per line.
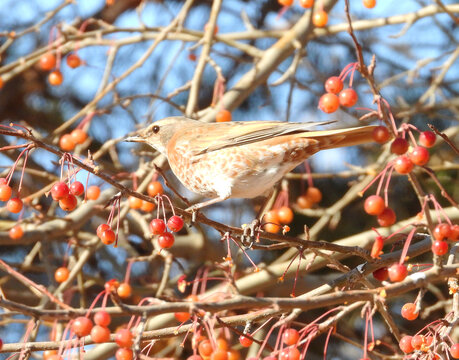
x=427, y=139
x=440, y=247
x=419, y=155
x=329, y=103
x=417, y=341
x=405, y=344
x=245, y=341
x=442, y=231
x=348, y=97
x=157, y=227
x=182, y=316
x=403, y=164
x=333, y=85
x=175, y=223
x=16, y=232
x=166, y=240
x=101, y=228
x=285, y=215
x=374, y=205
x=223, y=116
x=5, y=192
x=76, y=188
x=291, y=353
x=59, y=191
x=73, y=60
x=409, y=311
x=124, y=354
x=108, y=237
x=82, y=326
x=100, y=334
x=102, y=318
x=68, y=203
x=290, y=337
x=124, y=338
x=454, y=351
x=454, y=233
x=14, y=205
x=397, y=272
x=377, y=247
x=381, y=274
x=387, y=217
x=55, y=78
x=47, y=61
x=399, y=146
x=381, y=134
x=93, y=192
x=61, y=274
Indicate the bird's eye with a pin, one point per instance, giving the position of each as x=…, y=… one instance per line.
x=156, y=129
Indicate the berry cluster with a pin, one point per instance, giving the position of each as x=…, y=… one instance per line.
x=335, y=95
x=49, y=62
x=275, y=217
x=311, y=197
x=14, y=204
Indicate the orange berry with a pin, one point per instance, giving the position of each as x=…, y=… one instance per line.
x=182, y=316
x=61, y=274
x=73, y=60
x=147, y=206
x=329, y=103
x=369, y=4
x=285, y=2
x=124, y=291
x=79, y=136
x=285, y=215
x=47, y=61
x=223, y=116
x=67, y=143
x=55, y=78
x=409, y=311
x=93, y=192
x=306, y=3
x=348, y=97
x=314, y=194
x=16, y=232
x=272, y=223
x=1, y=83
x=154, y=188
x=14, y=205
x=320, y=18
x=68, y=203
x=304, y=202
x=134, y=203
x=108, y=237
x=5, y=192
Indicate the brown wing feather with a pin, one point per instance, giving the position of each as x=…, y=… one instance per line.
x=217, y=136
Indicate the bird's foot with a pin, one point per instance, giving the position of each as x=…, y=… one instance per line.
x=250, y=233
x=193, y=210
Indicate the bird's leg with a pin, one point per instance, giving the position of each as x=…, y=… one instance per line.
x=194, y=208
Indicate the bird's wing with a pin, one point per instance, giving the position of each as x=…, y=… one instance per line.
x=218, y=136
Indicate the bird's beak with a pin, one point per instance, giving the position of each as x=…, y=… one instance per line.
x=135, y=138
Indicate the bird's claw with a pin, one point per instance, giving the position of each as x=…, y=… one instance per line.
x=250, y=232
x=193, y=210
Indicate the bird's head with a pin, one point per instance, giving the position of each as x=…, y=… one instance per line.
x=158, y=134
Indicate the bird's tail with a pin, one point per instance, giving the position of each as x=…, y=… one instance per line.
x=330, y=139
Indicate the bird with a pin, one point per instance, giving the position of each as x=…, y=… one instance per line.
x=240, y=159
